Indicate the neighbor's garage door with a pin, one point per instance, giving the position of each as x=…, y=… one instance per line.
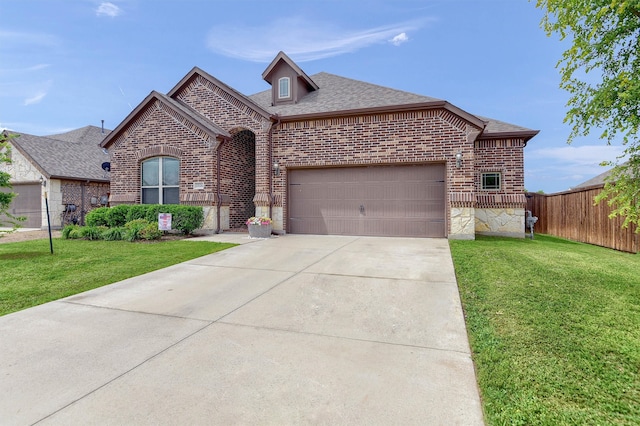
x=27, y=202
x=406, y=201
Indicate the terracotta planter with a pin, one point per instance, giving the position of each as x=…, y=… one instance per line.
x=260, y=231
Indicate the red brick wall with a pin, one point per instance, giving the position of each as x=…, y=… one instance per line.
x=80, y=194
x=507, y=157
x=232, y=115
x=157, y=134
x=238, y=166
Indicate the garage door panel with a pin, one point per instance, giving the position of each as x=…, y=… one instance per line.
x=377, y=201
x=26, y=203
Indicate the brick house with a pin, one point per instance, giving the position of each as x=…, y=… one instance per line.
x=322, y=154
x=70, y=167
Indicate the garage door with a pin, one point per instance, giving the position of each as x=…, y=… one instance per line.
x=401, y=201
x=28, y=203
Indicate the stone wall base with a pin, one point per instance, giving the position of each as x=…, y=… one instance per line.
x=462, y=223
x=504, y=222
x=211, y=219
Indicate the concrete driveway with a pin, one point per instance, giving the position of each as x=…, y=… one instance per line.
x=290, y=330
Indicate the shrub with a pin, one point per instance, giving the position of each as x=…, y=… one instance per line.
x=75, y=234
x=137, y=211
x=66, y=231
x=133, y=229
x=92, y=232
x=113, y=234
x=117, y=216
x=185, y=219
x=150, y=232
x=97, y=217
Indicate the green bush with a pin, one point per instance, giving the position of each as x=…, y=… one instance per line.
x=97, y=217
x=137, y=211
x=92, y=232
x=133, y=229
x=113, y=234
x=151, y=232
x=66, y=231
x=117, y=216
x=75, y=234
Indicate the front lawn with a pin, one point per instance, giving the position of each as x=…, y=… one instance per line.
x=554, y=328
x=30, y=275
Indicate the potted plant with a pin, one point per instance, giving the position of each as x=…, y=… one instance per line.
x=259, y=227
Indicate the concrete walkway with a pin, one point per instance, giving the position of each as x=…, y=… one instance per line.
x=289, y=330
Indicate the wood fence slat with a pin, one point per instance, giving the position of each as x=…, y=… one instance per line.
x=574, y=215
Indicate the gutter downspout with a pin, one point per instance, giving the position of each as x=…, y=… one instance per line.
x=219, y=198
x=274, y=124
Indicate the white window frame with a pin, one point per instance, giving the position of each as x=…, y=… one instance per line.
x=485, y=175
x=284, y=82
x=160, y=186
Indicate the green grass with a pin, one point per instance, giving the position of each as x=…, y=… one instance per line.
x=554, y=328
x=31, y=275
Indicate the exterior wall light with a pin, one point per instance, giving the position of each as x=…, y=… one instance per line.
x=276, y=169
x=459, y=159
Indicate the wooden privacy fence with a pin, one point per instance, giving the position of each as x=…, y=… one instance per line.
x=573, y=215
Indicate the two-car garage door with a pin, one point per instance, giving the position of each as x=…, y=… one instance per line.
x=403, y=201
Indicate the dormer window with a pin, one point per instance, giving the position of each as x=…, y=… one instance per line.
x=284, y=88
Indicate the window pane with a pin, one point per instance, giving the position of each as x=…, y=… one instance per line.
x=150, y=172
x=170, y=171
x=150, y=195
x=170, y=196
x=491, y=181
x=284, y=87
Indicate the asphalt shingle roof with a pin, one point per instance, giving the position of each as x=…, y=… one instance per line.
x=338, y=93
x=75, y=154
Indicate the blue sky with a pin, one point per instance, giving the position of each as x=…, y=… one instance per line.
x=67, y=64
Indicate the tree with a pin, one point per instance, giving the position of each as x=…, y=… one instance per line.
x=601, y=70
x=5, y=182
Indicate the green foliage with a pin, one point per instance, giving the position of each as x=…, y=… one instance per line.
x=137, y=211
x=622, y=192
x=5, y=181
x=117, y=216
x=151, y=232
x=92, y=232
x=66, y=231
x=605, y=41
x=97, y=217
x=134, y=228
x=113, y=234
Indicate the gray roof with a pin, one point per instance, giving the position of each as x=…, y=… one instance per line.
x=338, y=93
x=73, y=155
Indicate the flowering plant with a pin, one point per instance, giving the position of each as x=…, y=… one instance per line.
x=262, y=220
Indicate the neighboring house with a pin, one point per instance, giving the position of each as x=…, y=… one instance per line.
x=70, y=167
x=322, y=154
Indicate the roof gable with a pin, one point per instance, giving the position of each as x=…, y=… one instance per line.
x=195, y=72
x=282, y=58
x=187, y=117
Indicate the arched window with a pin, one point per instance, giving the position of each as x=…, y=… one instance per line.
x=284, y=90
x=160, y=180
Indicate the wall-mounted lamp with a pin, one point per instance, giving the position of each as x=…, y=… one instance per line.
x=43, y=181
x=459, y=159
x=276, y=168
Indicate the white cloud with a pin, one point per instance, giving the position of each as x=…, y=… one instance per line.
x=300, y=38
x=399, y=39
x=35, y=99
x=108, y=9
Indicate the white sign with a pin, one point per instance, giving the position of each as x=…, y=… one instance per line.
x=164, y=221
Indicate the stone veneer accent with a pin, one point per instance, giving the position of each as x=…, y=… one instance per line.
x=500, y=222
